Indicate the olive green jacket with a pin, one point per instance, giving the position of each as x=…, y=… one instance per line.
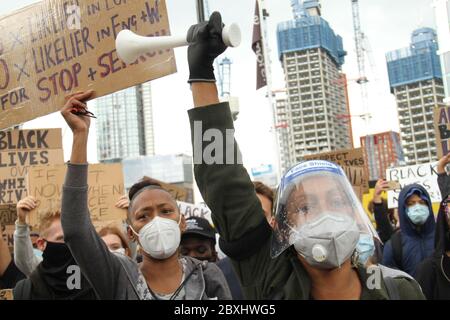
x=238, y=216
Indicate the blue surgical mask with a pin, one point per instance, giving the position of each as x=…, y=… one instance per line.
x=418, y=213
x=37, y=253
x=365, y=248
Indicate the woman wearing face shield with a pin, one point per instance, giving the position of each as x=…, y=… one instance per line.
x=318, y=219
x=311, y=254
x=319, y=216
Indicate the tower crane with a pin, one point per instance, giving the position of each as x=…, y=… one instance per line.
x=361, y=49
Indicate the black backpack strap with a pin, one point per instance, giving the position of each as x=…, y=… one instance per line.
x=391, y=288
x=397, y=249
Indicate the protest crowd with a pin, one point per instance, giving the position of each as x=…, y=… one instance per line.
x=309, y=239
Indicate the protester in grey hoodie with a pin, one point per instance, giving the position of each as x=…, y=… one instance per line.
x=25, y=256
x=153, y=214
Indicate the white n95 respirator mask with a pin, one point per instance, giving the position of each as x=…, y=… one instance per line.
x=160, y=238
x=328, y=241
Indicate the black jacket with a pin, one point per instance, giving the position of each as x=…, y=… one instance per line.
x=36, y=287
x=384, y=227
x=232, y=279
x=430, y=274
x=11, y=277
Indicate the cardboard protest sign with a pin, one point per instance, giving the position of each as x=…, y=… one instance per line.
x=352, y=162
x=20, y=149
x=56, y=47
x=36, y=139
x=357, y=177
x=348, y=158
x=8, y=217
x=6, y=294
x=192, y=210
x=8, y=235
x=423, y=174
x=105, y=188
x=8, y=214
x=442, y=130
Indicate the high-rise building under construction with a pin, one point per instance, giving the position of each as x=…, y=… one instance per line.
x=415, y=78
x=317, y=110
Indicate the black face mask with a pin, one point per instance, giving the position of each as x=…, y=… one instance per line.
x=56, y=255
x=57, y=258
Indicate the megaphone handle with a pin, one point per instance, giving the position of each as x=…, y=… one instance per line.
x=231, y=36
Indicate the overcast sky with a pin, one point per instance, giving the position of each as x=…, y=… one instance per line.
x=387, y=23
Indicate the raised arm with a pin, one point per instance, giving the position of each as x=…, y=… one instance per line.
x=443, y=177
x=24, y=257
x=380, y=211
x=97, y=264
x=222, y=179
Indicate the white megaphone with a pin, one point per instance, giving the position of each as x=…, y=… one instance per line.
x=130, y=46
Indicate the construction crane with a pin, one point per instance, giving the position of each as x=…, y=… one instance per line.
x=360, y=43
x=225, y=77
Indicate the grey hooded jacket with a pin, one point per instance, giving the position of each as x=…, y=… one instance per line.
x=114, y=276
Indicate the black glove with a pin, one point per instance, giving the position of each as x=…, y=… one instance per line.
x=206, y=45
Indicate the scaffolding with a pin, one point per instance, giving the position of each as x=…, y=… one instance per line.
x=225, y=77
x=416, y=63
x=308, y=33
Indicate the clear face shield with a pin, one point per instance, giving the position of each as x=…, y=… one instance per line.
x=317, y=212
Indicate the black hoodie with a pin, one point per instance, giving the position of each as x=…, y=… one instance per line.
x=434, y=273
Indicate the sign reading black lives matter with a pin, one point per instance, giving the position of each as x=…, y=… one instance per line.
x=21, y=149
x=424, y=174
x=57, y=47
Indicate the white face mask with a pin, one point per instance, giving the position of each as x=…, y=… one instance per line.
x=120, y=250
x=160, y=238
x=327, y=242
